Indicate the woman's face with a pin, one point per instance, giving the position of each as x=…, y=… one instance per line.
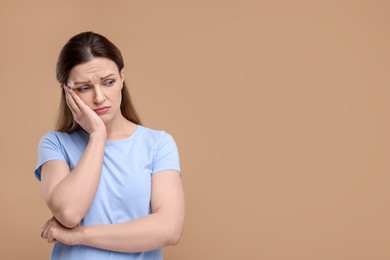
x=99, y=83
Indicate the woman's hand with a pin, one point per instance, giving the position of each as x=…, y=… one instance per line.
x=82, y=114
x=54, y=232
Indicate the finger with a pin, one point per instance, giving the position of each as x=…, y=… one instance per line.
x=51, y=234
x=52, y=241
x=47, y=222
x=71, y=101
x=50, y=238
x=66, y=95
x=45, y=232
x=44, y=227
x=80, y=104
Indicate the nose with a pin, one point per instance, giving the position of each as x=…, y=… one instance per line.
x=99, y=96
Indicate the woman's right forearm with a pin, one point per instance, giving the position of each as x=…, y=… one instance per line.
x=70, y=200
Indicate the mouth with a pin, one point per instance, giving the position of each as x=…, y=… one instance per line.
x=101, y=110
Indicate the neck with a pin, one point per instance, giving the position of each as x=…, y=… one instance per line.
x=119, y=129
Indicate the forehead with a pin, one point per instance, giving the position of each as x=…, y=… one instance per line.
x=97, y=67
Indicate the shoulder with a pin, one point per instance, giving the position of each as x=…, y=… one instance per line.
x=51, y=137
x=165, y=152
x=54, y=136
x=153, y=134
x=60, y=138
x=156, y=140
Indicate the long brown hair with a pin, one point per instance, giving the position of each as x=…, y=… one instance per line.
x=79, y=49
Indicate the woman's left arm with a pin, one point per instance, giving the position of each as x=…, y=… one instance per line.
x=161, y=228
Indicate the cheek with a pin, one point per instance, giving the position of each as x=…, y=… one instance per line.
x=115, y=95
x=86, y=98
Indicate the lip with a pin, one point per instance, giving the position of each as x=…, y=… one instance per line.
x=101, y=110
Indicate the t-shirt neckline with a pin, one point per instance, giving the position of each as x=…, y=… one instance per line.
x=128, y=138
x=120, y=140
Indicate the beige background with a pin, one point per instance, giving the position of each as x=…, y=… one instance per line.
x=280, y=110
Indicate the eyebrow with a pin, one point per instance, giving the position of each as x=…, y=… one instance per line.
x=86, y=82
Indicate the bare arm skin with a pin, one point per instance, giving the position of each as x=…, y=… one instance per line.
x=69, y=194
x=161, y=228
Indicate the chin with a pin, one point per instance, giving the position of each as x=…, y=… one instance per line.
x=105, y=119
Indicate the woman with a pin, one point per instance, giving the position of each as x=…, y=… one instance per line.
x=113, y=185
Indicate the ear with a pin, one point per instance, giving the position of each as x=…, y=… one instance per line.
x=122, y=74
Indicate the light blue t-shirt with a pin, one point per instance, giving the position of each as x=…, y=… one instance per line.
x=124, y=190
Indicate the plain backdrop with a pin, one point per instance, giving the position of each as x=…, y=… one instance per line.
x=280, y=110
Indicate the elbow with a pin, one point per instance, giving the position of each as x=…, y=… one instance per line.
x=69, y=223
x=68, y=219
x=174, y=240
x=173, y=236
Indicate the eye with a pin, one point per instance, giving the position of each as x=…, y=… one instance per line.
x=82, y=89
x=109, y=83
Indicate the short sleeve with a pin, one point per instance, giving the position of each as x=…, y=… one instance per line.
x=49, y=148
x=166, y=155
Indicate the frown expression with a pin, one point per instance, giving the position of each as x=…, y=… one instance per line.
x=98, y=83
